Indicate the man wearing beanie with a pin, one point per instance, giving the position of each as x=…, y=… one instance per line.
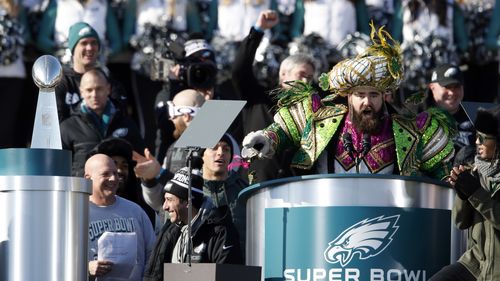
x=223, y=185
x=85, y=47
x=220, y=184
x=214, y=237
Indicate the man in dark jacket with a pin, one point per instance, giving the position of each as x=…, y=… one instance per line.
x=97, y=118
x=214, y=237
x=257, y=112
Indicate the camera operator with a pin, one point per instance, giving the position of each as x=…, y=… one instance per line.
x=148, y=25
x=191, y=66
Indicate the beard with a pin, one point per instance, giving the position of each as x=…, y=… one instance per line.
x=367, y=120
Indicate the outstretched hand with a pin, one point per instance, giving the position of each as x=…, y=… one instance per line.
x=256, y=144
x=267, y=19
x=147, y=166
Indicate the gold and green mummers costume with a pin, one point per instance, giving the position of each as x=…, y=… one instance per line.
x=421, y=144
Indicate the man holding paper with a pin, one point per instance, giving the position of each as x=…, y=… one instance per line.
x=121, y=236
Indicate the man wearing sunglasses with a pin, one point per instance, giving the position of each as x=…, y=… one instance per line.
x=181, y=111
x=477, y=205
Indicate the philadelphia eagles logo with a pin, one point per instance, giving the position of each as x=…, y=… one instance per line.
x=368, y=238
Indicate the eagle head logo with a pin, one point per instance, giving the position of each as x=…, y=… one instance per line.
x=368, y=238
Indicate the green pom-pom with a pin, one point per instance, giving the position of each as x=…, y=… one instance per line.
x=324, y=82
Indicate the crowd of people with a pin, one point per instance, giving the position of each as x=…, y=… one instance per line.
x=386, y=108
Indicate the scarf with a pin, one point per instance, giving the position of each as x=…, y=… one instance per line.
x=489, y=170
x=101, y=122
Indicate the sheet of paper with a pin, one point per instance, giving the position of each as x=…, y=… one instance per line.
x=121, y=249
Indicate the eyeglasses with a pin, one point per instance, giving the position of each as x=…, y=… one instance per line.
x=483, y=137
x=174, y=111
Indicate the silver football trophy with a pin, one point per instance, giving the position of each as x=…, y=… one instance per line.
x=47, y=73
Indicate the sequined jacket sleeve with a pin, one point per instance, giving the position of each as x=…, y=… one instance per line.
x=289, y=123
x=424, y=145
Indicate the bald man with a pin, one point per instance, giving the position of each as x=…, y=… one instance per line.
x=181, y=111
x=97, y=119
x=171, y=127
x=183, y=108
x=109, y=213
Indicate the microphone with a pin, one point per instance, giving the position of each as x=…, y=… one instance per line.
x=366, y=145
x=348, y=146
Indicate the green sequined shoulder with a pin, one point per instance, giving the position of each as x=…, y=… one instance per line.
x=444, y=119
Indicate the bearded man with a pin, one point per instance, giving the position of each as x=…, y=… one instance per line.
x=361, y=137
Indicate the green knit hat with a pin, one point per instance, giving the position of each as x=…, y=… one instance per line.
x=79, y=31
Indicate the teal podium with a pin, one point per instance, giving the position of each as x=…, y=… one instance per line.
x=350, y=227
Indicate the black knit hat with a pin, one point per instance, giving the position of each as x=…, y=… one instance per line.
x=114, y=147
x=487, y=121
x=227, y=139
x=178, y=186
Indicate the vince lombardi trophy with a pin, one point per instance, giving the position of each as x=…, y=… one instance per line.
x=47, y=73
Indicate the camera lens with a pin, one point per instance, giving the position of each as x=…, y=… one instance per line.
x=201, y=75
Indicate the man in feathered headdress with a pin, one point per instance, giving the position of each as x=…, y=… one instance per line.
x=361, y=137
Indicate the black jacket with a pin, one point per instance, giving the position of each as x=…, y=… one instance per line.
x=216, y=236
x=68, y=93
x=80, y=134
x=257, y=113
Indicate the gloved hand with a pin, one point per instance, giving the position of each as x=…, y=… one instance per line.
x=466, y=184
x=256, y=144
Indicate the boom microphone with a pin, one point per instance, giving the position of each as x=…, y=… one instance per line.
x=348, y=146
x=366, y=145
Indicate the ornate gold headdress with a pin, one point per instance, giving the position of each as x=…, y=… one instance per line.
x=379, y=67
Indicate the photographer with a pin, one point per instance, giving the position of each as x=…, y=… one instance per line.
x=191, y=66
x=148, y=26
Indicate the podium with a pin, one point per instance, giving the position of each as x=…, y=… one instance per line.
x=350, y=227
x=210, y=272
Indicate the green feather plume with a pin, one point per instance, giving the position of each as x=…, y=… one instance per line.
x=297, y=91
x=383, y=45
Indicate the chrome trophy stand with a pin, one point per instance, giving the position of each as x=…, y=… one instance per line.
x=43, y=210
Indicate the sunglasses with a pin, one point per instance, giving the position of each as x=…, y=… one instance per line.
x=483, y=137
x=174, y=111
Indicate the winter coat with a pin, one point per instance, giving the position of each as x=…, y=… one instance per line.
x=480, y=214
x=216, y=237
